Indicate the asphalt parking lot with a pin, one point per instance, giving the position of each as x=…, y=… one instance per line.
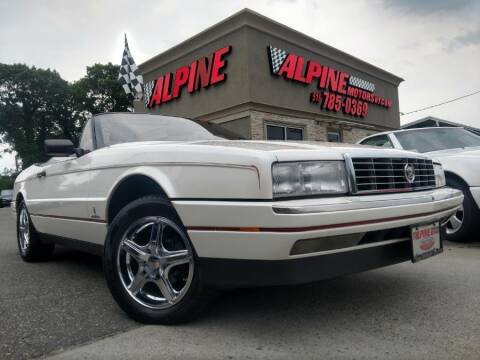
x=62, y=309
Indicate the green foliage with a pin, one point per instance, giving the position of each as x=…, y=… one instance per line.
x=33, y=106
x=6, y=180
x=99, y=90
x=36, y=104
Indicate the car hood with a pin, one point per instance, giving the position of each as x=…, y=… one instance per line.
x=287, y=150
x=460, y=152
x=463, y=163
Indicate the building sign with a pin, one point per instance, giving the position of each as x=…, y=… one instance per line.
x=201, y=73
x=335, y=90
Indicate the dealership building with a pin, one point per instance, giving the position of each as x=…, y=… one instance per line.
x=263, y=80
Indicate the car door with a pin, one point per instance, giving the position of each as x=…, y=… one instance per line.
x=57, y=194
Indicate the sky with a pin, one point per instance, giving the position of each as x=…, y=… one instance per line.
x=433, y=44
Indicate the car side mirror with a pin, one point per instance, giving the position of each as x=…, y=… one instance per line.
x=79, y=152
x=58, y=147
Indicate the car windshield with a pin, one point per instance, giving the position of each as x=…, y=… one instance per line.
x=426, y=140
x=121, y=128
x=7, y=192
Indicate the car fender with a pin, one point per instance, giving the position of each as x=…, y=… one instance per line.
x=466, y=168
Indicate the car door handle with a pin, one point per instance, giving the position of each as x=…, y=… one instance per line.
x=42, y=174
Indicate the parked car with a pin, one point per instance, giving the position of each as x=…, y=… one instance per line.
x=177, y=211
x=5, y=197
x=458, y=150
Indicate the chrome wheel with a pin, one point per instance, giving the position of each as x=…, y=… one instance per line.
x=155, y=262
x=455, y=222
x=23, y=229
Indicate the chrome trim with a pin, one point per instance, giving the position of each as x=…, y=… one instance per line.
x=352, y=181
x=23, y=229
x=438, y=214
x=423, y=174
x=69, y=218
x=455, y=222
x=150, y=260
x=358, y=203
x=141, y=164
x=76, y=199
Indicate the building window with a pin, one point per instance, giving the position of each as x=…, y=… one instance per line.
x=281, y=132
x=334, y=136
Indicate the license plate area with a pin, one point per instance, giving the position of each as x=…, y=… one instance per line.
x=426, y=241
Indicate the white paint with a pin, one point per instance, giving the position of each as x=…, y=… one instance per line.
x=236, y=170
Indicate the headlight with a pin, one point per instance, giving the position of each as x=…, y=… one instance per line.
x=439, y=175
x=309, y=178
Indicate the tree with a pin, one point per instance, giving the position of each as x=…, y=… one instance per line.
x=99, y=90
x=6, y=179
x=36, y=104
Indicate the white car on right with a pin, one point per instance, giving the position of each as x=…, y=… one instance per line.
x=458, y=150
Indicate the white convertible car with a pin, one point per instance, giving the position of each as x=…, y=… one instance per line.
x=176, y=211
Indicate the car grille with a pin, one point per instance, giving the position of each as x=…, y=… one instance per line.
x=389, y=174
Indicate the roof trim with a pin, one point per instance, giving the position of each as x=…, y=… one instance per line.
x=437, y=120
x=250, y=18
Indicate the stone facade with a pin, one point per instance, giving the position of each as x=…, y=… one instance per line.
x=313, y=129
x=354, y=134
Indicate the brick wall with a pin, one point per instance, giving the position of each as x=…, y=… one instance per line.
x=353, y=135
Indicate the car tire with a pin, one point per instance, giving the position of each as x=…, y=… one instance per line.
x=30, y=245
x=462, y=225
x=141, y=236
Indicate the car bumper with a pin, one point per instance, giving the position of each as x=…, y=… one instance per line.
x=234, y=273
x=239, y=232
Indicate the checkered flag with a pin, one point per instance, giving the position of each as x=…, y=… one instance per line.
x=128, y=76
x=277, y=57
x=148, y=89
x=360, y=83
